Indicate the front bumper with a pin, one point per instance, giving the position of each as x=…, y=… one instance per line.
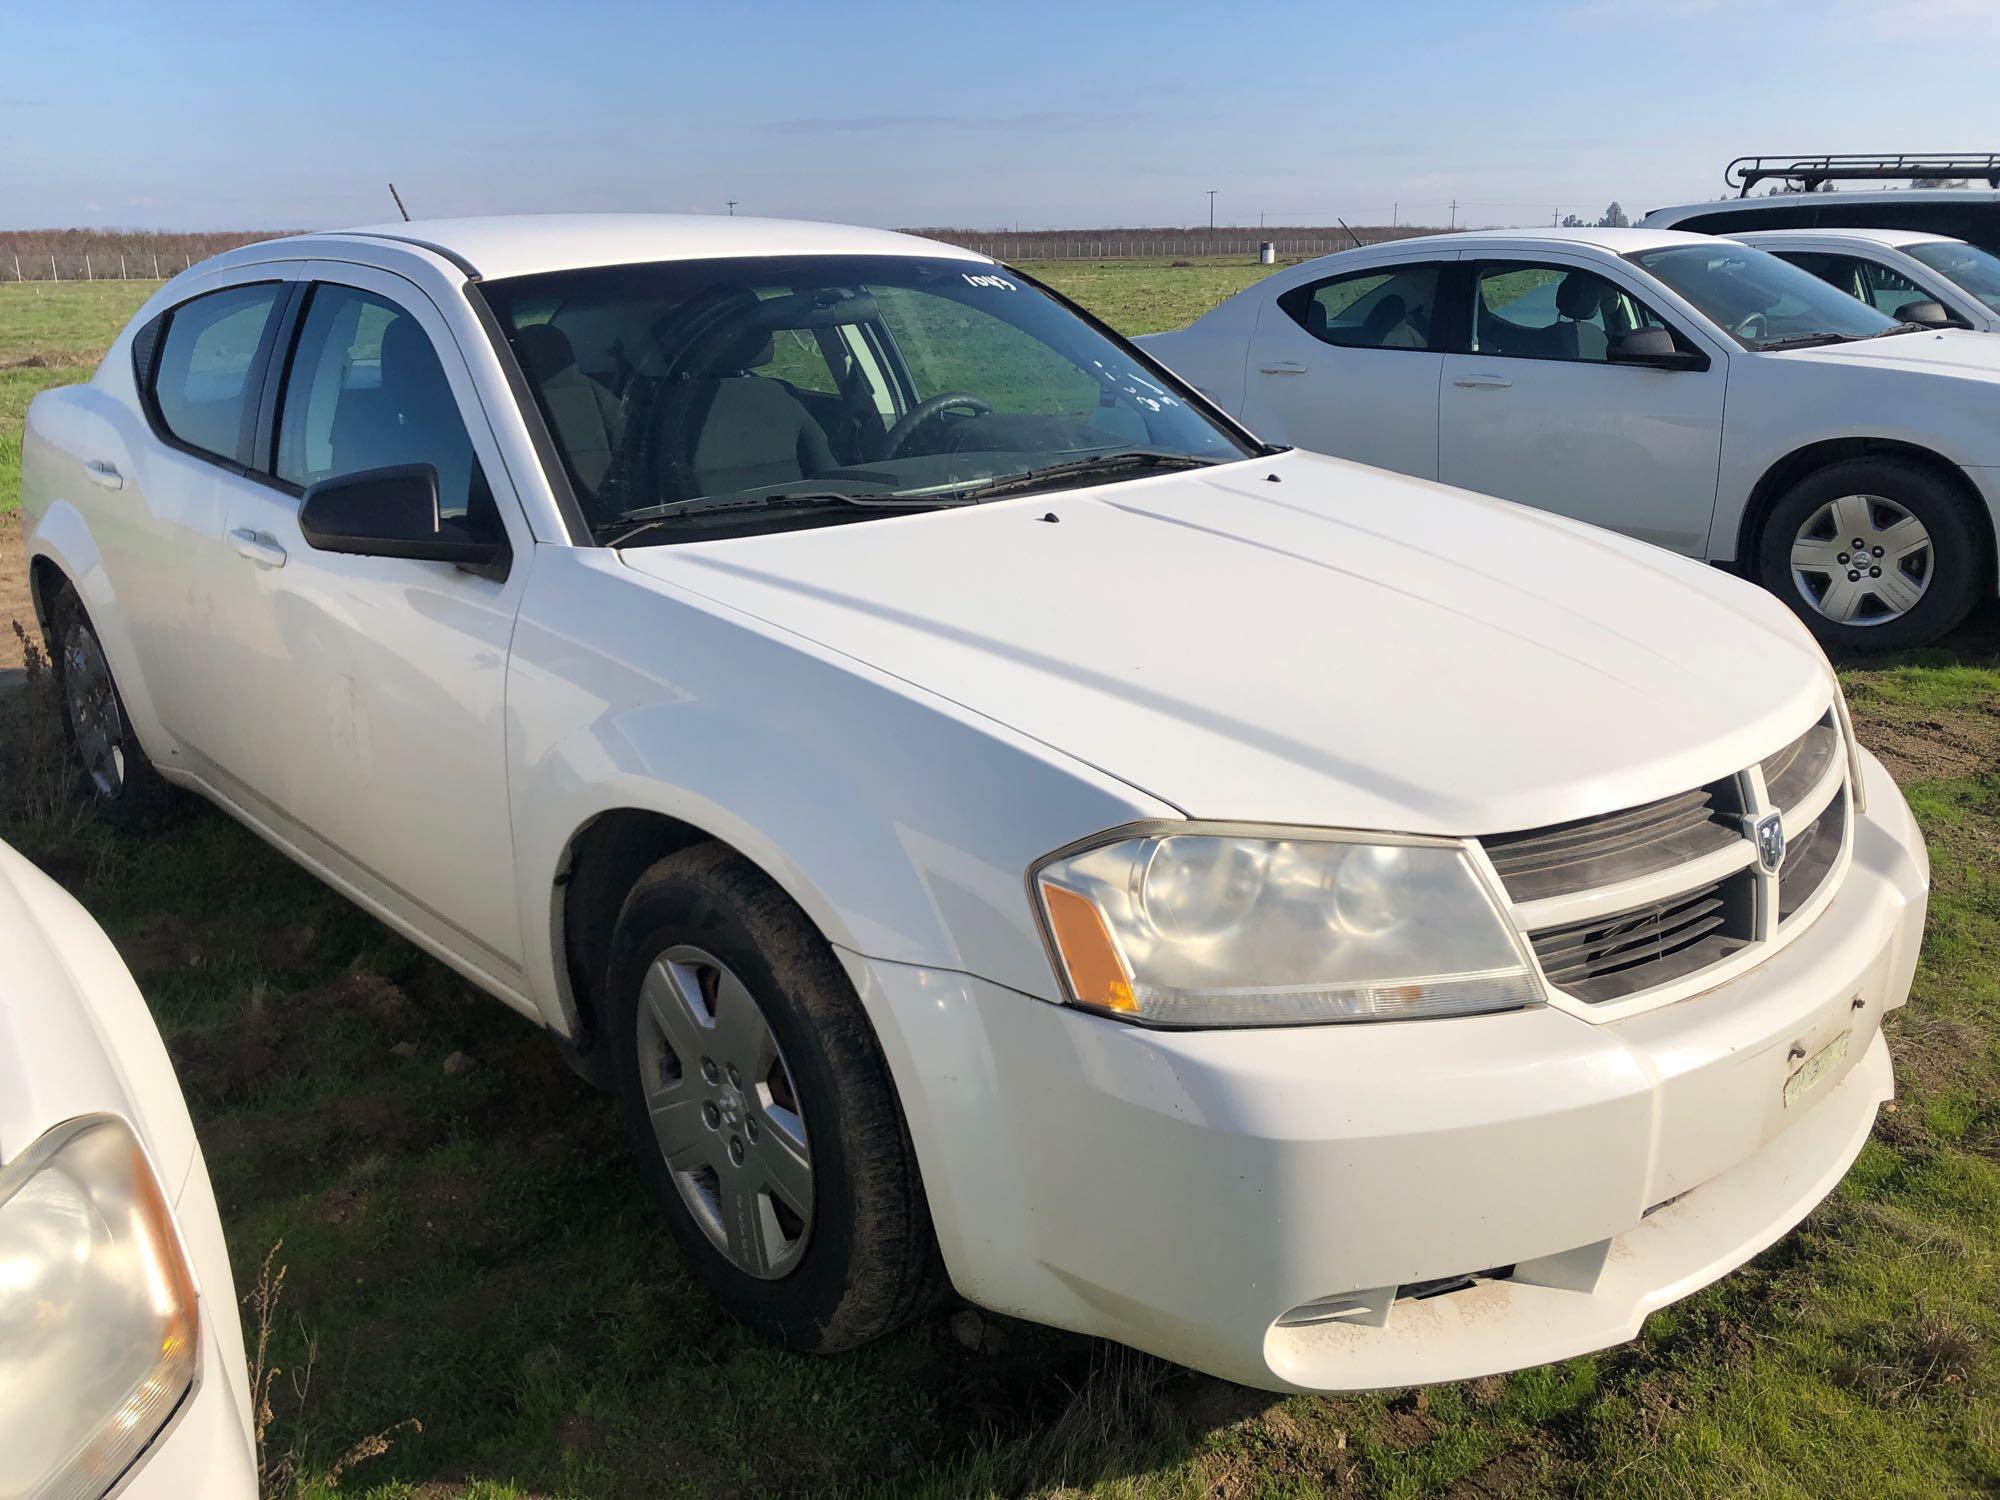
x=1183, y=1192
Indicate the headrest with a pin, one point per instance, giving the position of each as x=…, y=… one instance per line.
x=544, y=349
x=742, y=346
x=1579, y=295
x=1383, y=316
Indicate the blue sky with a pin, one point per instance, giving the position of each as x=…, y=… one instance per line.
x=223, y=114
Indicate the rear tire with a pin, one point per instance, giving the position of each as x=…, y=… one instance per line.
x=113, y=769
x=1914, y=575
x=762, y=1109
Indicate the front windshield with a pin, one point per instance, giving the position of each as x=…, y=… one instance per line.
x=1968, y=267
x=1763, y=302
x=697, y=399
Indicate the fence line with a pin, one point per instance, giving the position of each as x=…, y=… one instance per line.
x=92, y=266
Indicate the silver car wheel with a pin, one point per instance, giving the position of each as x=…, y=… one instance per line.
x=725, y=1111
x=94, y=715
x=1862, y=560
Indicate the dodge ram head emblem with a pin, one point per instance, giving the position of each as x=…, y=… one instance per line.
x=1771, y=843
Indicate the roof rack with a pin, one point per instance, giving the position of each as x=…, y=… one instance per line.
x=1812, y=172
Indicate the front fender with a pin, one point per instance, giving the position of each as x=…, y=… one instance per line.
x=903, y=826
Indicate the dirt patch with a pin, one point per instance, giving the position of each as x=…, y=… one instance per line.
x=1927, y=750
x=14, y=602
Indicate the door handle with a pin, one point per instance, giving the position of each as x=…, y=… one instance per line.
x=1283, y=367
x=1485, y=382
x=259, y=548
x=104, y=472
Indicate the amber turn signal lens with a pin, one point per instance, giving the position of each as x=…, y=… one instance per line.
x=1096, y=973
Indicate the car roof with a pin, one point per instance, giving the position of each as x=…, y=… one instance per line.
x=505, y=245
x=1665, y=217
x=1617, y=241
x=1892, y=239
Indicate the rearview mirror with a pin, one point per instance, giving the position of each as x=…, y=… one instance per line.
x=1655, y=347
x=393, y=512
x=1926, y=311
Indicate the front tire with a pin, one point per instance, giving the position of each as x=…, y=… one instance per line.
x=762, y=1109
x=114, y=770
x=1874, y=554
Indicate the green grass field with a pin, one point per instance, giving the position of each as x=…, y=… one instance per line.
x=467, y=1246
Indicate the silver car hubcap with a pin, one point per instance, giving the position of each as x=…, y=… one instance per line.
x=93, y=711
x=725, y=1112
x=1862, y=560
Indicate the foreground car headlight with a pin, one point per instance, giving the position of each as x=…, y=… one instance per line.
x=1220, y=928
x=97, y=1312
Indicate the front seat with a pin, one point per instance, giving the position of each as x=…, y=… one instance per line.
x=1384, y=322
x=586, y=416
x=411, y=417
x=724, y=429
x=1580, y=299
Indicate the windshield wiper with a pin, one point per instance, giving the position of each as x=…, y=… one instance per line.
x=1096, y=463
x=705, y=505
x=1802, y=341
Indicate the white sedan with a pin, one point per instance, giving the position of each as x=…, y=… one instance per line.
x=1890, y=269
x=121, y=1357
x=984, y=812
x=1853, y=468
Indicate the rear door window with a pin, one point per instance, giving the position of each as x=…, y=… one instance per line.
x=1384, y=307
x=202, y=382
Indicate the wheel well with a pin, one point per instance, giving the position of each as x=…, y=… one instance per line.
x=1793, y=467
x=44, y=578
x=604, y=860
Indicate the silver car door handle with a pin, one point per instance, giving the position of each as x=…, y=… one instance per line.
x=105, y=473
x=259, y=548
x=1283, y=367
x=1489, y=382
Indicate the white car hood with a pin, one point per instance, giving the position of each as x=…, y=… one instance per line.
x=1952, y=351
x=1340, y=647
x=75, y=1035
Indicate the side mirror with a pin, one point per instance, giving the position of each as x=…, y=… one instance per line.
x=1655, y=348
x=1926, y=312
x=393, y=512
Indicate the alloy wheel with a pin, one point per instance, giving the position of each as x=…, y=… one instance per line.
x=1862, y=560
x=725, y=1111
x=94, y=715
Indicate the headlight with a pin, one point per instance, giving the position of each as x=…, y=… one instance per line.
x=97, y=1312
x=1218, y=928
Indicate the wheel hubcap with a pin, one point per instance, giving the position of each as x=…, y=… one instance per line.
x=94, y=716
x=1862, y=560
x=725, y=1112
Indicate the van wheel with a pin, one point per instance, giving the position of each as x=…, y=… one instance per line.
x=117, y=777
x=1873, y=554
x=762, y=1109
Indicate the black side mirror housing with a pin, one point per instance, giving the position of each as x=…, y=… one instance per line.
x=1927, y=312
x=393, y=512
x=1656, y=349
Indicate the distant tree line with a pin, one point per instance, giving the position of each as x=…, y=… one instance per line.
x=70, y=244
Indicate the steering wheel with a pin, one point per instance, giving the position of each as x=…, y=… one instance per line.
x=1753, y=328
x=924, y=411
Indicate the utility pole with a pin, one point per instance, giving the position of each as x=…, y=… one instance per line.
x=1211, y=210
x=732, y=208
x=1454, y=213
x=1260, y=218
x=1395, y=213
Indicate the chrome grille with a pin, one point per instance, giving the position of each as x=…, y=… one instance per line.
x=1798, y=768
x=1621, y=846
x=1608, y=958
x=1635, y=900
x=1810, y=856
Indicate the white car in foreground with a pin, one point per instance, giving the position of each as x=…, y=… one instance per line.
x=1853, y=468
x=1890, y=269
x=979, y=806
x=121, y=1357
